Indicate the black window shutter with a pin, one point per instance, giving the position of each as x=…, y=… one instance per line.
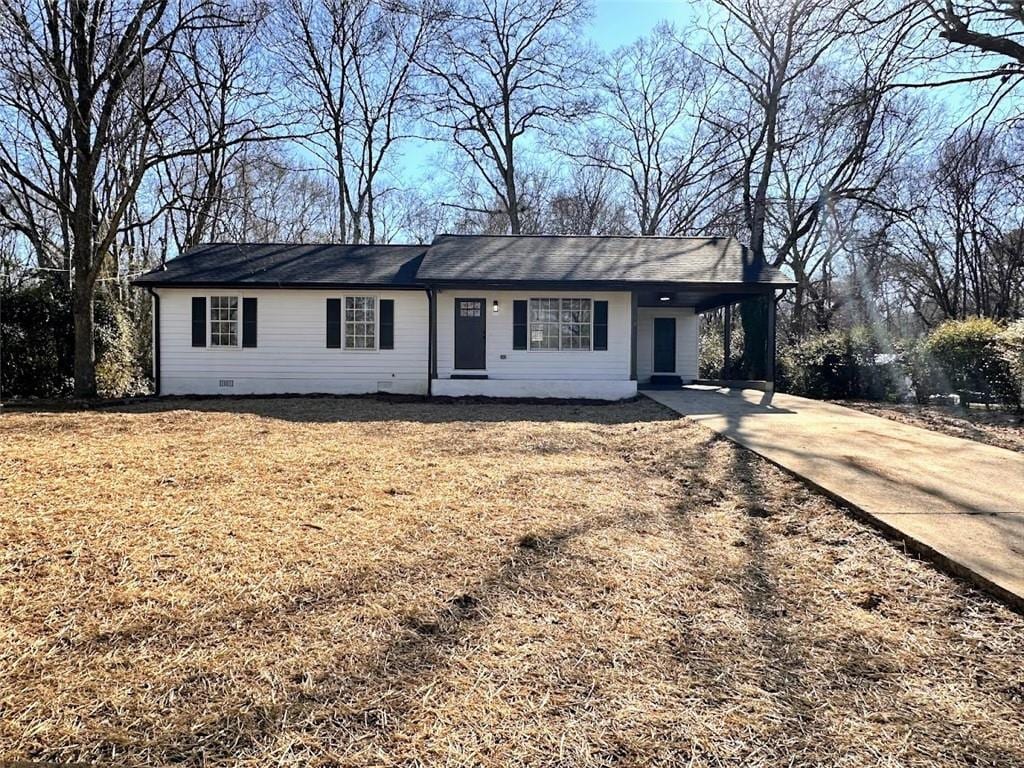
x=600, y=325
x=387, y=323
x=198, y=321
x=334, y=323
x=519, y=313
x=248, y=322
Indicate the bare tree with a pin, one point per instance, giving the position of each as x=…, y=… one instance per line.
x=506, y=69
x=588, y=203
x=651, y=129
x=810, y=94
x=962, y=252
x=352, y=65
x=987, y=26
x=268, y=197
x=87, y=95
x=983, y=50
x=225, y=75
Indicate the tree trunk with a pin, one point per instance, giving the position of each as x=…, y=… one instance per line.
x=339, y=176
x=85, y=350
x=512, y=196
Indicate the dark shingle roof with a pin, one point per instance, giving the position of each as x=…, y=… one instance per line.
x=276, y=264
x=470, y=258
x=542, y=258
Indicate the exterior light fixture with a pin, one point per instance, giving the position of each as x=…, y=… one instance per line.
x=494, y=307
x=664, y=297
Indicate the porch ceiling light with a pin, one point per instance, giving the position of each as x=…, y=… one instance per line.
x=664, y=297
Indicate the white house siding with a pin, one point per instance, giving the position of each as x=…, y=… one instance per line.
x=291, y=355
x=503, y=362
x=686, y=341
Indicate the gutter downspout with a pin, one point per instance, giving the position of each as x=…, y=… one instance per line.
x=156, y=339
x=431, y=340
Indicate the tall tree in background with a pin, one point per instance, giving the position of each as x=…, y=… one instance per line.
x=224, y=73
x=351, y=63
x=587, y=204
x=651, y=128
x=962, y=252
x=506, y=69
x=87, y=97
x=810, y=89
x=986, y=26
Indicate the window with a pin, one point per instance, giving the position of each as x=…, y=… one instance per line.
x=544, y=324
x=360, y=322
x=560, y=323
x=575, y=323
x=223, y=321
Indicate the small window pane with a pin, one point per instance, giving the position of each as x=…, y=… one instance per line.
x=543, y=323
x=223, y=321
x=575, y=324
x=360, y=322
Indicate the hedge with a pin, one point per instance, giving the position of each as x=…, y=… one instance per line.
x=972, y=358
x=843, y=364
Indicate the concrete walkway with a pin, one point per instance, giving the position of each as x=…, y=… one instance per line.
x=957, y=501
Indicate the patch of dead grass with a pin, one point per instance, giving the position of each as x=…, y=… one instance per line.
x=1001, y=427
x=353, y=582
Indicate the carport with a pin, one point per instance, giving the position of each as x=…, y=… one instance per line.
x=756, y=303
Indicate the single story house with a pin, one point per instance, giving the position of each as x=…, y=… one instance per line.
x=500, y=316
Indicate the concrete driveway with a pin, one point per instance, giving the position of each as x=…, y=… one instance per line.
x=957, y=501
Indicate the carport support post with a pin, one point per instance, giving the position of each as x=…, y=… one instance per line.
x=769, y=365
x=727, y=341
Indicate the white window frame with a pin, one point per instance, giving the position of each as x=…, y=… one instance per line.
x=210, y=321
x=530, y=322
x=345, y=321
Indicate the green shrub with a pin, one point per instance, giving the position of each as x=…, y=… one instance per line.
x=970, y=357
x=841, y=364
x=1011, y=349
x=38, y=341
x=712, y=350
x=37, y=333
x=926, y=378
x=119, y=370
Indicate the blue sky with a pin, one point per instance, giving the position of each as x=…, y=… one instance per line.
x=620, y=22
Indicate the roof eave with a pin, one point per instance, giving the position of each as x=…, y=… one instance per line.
x=611, y=284
x=305, y=285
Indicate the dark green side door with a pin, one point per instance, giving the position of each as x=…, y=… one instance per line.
x=664, y=345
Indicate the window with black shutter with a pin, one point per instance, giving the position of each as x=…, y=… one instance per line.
x=198, y=321
x=387, y=324
x=520, y=309
x=600, y=325
x=334, y=323
x=248, y=322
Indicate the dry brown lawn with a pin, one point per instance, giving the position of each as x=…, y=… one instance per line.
x=356, y=582
x=1001, y=427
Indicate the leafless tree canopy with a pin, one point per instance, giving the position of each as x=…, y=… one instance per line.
x=504, y=72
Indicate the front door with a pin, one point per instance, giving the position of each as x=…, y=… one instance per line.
x=470, y=335
x=664, y=345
